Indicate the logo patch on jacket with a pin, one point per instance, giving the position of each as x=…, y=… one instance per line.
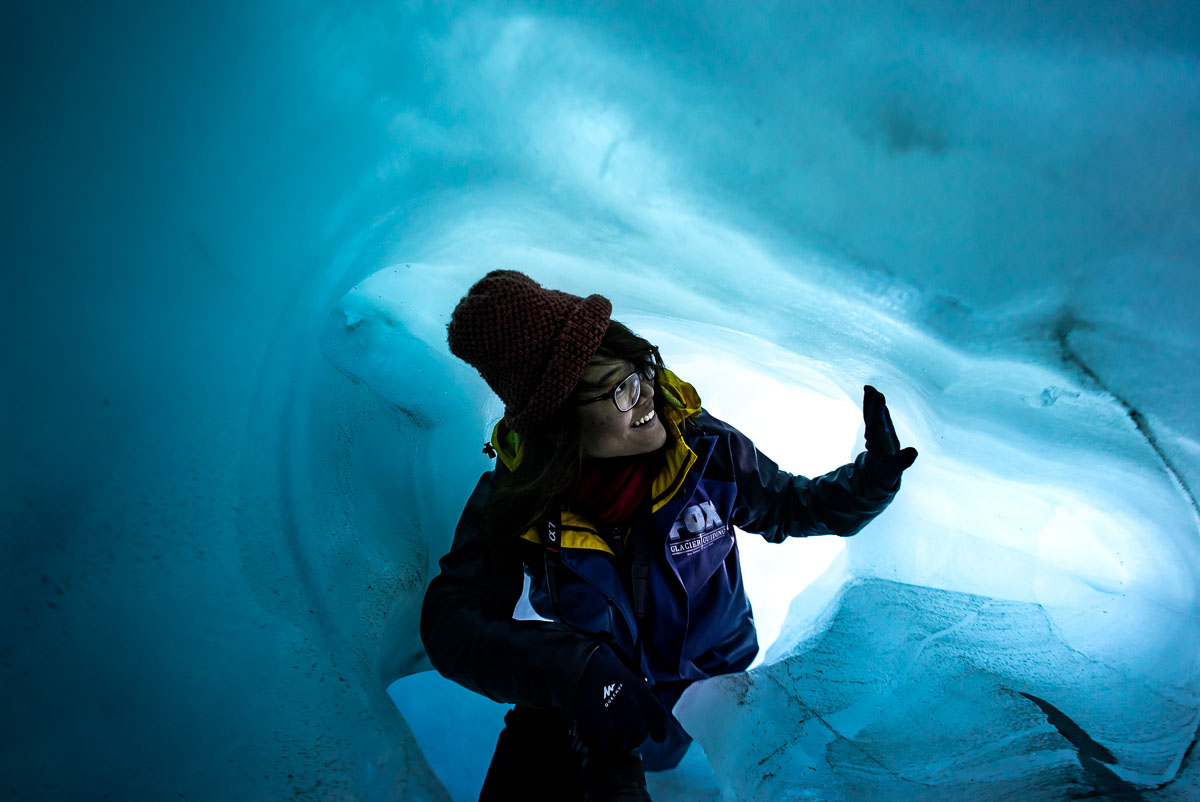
x=697, y=528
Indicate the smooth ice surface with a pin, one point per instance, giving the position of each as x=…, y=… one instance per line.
x=236, y=445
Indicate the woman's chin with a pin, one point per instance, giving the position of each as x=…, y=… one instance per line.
x=656, y=435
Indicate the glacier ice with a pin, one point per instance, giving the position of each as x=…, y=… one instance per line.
x=235, y=445
x=915, y=692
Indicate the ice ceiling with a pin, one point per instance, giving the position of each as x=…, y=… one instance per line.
x=236, y=444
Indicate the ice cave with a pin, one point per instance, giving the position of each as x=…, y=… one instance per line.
x=236, y=444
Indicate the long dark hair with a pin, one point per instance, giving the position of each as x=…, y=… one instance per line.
x=553, y=453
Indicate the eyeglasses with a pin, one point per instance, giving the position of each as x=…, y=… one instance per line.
x=627, y=392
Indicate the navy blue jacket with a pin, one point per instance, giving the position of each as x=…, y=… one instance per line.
x=697, y=622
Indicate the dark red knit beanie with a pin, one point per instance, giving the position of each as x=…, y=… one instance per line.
x=530, y=344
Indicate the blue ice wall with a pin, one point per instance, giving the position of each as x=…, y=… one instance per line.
x=232, y=464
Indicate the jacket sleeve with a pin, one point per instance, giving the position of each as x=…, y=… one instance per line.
x=776, y=504
x=471, y=637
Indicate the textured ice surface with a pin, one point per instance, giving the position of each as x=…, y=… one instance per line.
x=916, y=693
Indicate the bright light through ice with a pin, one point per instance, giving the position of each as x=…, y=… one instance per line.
x=796, y=416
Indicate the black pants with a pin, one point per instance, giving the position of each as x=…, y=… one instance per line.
x=538, y=759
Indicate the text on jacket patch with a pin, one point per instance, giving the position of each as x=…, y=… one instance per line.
x=696, y=528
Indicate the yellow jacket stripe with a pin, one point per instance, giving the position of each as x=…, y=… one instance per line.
x=681, y=403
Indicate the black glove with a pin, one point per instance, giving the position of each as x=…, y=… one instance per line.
x=614, y=708
x=885, y=459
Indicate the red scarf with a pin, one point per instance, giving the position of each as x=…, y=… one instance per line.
x=609, y=490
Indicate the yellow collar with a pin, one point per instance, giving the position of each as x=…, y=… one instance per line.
x=681, y=402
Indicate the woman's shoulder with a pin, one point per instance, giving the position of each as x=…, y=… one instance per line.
x=726, y=433
x=704, y=422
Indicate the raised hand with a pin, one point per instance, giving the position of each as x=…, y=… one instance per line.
x=885, y=459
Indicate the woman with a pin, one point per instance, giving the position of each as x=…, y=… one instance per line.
x=617, y=493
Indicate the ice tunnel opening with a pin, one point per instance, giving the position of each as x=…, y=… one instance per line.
x=1034, y=499
x=389, y=331
x=457, y=729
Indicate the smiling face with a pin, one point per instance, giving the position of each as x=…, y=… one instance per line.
x=606, y=431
